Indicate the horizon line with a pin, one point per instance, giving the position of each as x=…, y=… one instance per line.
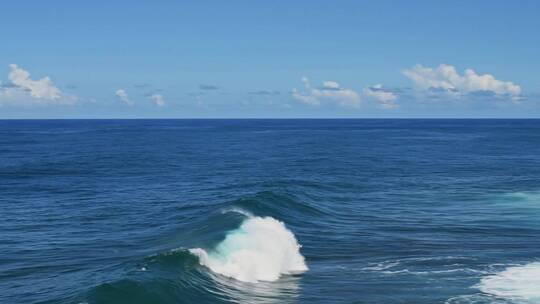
x=286, y=118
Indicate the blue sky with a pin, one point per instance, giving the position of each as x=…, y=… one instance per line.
x=198, y=59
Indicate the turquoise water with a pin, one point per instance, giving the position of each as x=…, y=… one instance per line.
x=270, y=211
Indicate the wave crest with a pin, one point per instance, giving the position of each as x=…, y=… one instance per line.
x=261, y=249
x=517, y=283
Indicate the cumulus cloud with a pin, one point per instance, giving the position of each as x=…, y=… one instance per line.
x=22, y=90
x=158, y=100
x=330, y=91
x=384, y=97
x=41, y=88
x=446, y=78
x=330, y=85
x=123, y=97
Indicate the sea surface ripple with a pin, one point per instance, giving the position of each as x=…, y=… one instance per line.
x=270, y=211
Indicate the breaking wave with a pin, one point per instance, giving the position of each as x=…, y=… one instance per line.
x=518, y=283
x=261, y=249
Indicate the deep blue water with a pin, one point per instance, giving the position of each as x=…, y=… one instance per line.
x=386, y=211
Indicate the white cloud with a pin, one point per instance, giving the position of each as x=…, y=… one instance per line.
x=385, y=97
x=24, y=91
x=42, y=88
x=330, y=91
x=158, y=100
x=446, y=78
x=123, y=97
x=330, y=85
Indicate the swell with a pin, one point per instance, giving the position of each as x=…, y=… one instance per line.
x=240, y=251
x=281, y=206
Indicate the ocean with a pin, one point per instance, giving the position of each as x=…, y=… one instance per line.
x=270, y=211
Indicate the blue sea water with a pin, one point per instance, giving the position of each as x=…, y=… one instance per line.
x=385, y=211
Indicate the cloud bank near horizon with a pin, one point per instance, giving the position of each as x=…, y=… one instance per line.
x=22, y=90
x=445, y=79
x=438, y=84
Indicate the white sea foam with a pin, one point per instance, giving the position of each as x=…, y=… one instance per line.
x=261, y=249
x=518, y=283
